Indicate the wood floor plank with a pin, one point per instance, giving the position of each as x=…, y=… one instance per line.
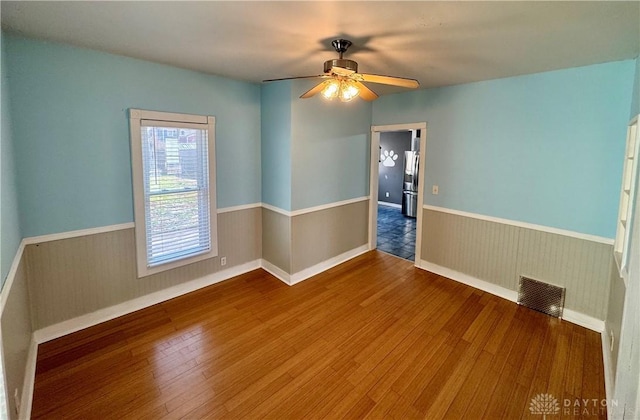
x=446, y=380
x=390, y=370
x=372, y=338
x=461, y=399
x=300, y=380
x=448, y=386
x=573, y=382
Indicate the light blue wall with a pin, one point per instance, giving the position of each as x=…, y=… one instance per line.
x=314, y=152
x=543, y=148
x=635, y=101
x=276, y=144
x=10, y=234
x=330, y=149
x=70, y=125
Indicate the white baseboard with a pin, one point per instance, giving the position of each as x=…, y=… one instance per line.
x=276, y=272
x=26, y=398
x=494, y=289
x=325, y=265
x=583, y=320
x=84, y=321
x=608, y=371
x=291, y=279
x=569, y=315
x=102, y=315
x=106, y=314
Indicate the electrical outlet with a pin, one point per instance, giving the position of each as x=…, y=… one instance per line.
x=16, y=400
x=386, y=194
x=434, y=190
x=223, y=260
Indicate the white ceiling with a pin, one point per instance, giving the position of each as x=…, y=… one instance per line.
x=438, y=43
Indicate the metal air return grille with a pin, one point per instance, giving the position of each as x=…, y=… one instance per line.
x=542, y=297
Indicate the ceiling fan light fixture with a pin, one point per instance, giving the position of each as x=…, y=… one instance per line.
x=348, y=91
x=345, y=90
x=344, y=80
x=331, y=89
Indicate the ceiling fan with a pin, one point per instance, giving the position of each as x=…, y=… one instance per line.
x=343, y=80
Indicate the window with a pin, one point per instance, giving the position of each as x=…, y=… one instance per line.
x=627, y=193
x=173, y=158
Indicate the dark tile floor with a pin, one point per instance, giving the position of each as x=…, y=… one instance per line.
x=396, y=233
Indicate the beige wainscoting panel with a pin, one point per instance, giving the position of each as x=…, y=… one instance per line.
x=580, y=265
x=321, y=235
x=241, y=236
x=500, y=253
x=482, y=249
x=276, y=239
x=77, y=276
x=16, y=335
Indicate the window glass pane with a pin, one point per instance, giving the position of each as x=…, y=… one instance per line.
x=176, y=191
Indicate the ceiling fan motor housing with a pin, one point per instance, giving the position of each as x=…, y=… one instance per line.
x=340, y=62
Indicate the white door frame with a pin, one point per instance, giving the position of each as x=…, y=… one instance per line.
x=373, y=181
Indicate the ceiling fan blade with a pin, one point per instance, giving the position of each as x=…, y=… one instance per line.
x=319, y=76
x=366, y=93
x=341, y=71
x=316, y=89
x=390, y=80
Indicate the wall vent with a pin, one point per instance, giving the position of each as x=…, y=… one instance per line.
x=542, y=297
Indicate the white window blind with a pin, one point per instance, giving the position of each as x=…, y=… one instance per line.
x=175, y=194
x=176, y=191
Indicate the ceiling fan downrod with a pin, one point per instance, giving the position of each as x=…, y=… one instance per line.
x=341, y=46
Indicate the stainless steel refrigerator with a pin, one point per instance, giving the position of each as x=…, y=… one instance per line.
x=410, y=184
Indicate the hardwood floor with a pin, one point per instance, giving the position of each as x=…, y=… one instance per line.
x=374, y=337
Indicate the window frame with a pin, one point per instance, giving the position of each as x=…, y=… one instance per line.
x=168, y=119
x=621, y=247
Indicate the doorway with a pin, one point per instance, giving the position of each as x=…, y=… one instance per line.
x=396, y=186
